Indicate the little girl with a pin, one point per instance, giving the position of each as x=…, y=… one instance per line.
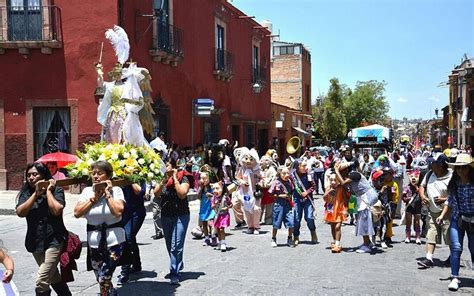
x=336, y=200
x=206, y=213
x=221, y=203
x=413, y=207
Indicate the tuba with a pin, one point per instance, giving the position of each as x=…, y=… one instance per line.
x=294, y=143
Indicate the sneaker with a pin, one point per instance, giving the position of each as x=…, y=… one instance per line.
x=214, y=241
x=218, y=246
x=407, y=240
x=296, y=241
x=250, y=231
x=425, y=263
x=256, y=232
x=363, y=249
x=274, y=243
x=454, y=284
x=206, y=242
x=122, y=279
x=240, y=225
x=418, y=241
x=174, y=281
x=223, y=247
x=290, y=243
x=384, y=245
x=157, y=236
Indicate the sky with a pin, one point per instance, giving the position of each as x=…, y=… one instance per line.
x=412, y=45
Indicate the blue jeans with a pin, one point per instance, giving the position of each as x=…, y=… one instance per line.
x=319, y=177
x=457, y=237
x=132, y=224
x=174, y=230
x=303, y=206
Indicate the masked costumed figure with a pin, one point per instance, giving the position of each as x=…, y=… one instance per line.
x=269, y=174
x=248, y=175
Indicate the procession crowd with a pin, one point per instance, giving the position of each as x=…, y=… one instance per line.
x=431, y=192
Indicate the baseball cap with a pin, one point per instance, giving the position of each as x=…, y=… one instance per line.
x=377, y=175
x=439, y=158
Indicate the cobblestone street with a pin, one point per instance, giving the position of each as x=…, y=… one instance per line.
x=252, y=267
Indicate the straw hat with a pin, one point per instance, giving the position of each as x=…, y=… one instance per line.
x=463, y=159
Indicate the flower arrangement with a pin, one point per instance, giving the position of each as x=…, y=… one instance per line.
x=129, y=162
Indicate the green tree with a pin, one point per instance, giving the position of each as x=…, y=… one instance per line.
x=330, y=122
x=366, y=104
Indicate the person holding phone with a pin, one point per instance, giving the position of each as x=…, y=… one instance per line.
x=102, y=205
x=175, y=214
x=42, y=204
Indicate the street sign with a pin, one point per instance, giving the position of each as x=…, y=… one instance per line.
x=202, y=107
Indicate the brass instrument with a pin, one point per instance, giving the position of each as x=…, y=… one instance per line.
x=293, y=145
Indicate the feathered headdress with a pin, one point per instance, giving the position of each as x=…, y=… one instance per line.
x=119, y=40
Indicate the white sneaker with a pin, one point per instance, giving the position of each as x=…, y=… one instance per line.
x=363, y=249
x=256, y=232
x=383, y=245
x=223, y=247
x=418, y=241
x=274, y=244
x=454, y=284
x=407, y=240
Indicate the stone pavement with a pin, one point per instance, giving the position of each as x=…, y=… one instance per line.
x=251, y=266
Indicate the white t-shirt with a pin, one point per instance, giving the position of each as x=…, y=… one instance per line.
x=437, y=187
x=100, y=213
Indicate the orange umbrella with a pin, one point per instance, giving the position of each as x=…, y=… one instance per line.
x=62, y=159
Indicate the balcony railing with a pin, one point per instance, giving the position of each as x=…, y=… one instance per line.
x=169, y=39
x=20, y=24
x=223, y=68
x=259, y=74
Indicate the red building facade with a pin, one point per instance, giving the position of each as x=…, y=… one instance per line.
x=193, y=49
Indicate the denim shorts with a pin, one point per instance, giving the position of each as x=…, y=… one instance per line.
x=282, y=213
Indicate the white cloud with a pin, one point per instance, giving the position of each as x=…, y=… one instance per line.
x=402, y=100
x=433, y=98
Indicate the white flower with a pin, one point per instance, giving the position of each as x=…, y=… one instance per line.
x=133, y=151
x=74, y=171
x=102, y=157
x=114, y=156
x=141, y=161
x=152, y=166
x=122, y=163
x=157, y=171
x=85, y=171
x=126, y=155
x=90, y=161
x=151, y=175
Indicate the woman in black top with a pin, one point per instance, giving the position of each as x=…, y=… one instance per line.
x=46, y=235
x=174, y=214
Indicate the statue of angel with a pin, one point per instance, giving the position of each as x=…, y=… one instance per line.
x=123, y=100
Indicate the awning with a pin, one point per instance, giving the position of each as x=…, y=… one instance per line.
x=300, y=130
